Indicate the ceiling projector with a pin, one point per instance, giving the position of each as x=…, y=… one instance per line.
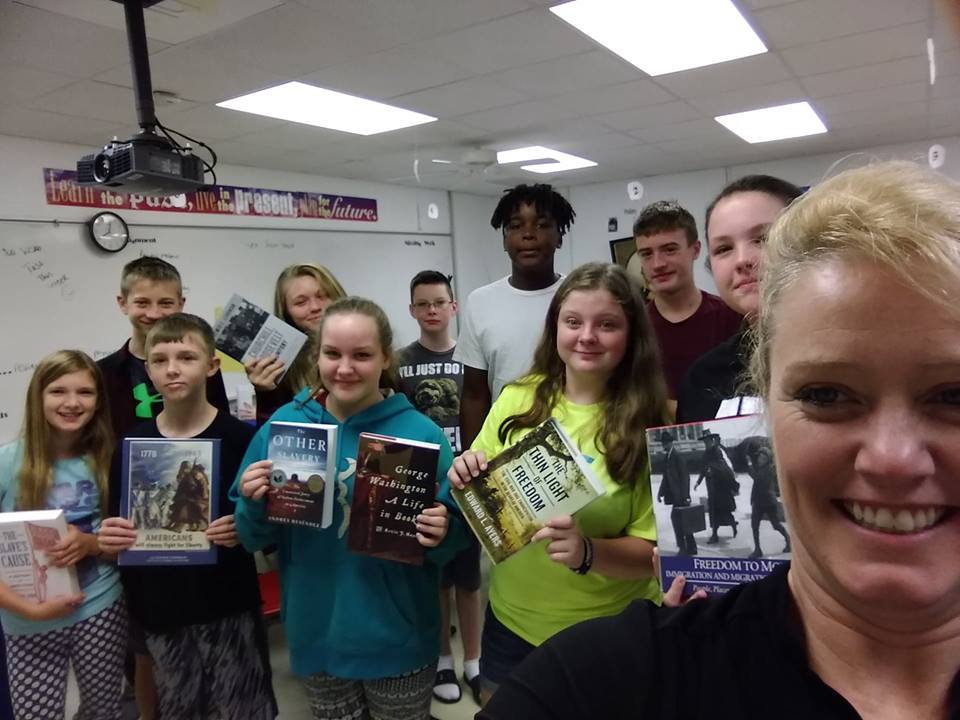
x=146, y=164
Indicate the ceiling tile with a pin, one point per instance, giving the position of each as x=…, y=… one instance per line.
x=567, y=74
x=611, y=98
x=732, y=75
x=749, y=98
x=858, y=50
x=23, y=83
x=704, y=130
x=867, y=77
x=835, y=120
x=209, y=122
x=532, y=114
x=552, y=134
x=880, y=99
x=800, y=23
x=26, y=122
x=677, y=111
x=459, y=98
x=100, y=101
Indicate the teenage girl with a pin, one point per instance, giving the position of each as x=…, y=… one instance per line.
x=362, y=631
x=62, y=460
x=596, y=370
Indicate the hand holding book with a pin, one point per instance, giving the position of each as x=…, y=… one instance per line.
x=566, y=545
x=223, y=532
x=432, y=525
x=73, y=547
x=465, y=467
x=116, y=535
x=264, y=373
x=255, y=481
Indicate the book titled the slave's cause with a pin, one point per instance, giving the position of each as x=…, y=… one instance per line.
x=396, y=479
x=246, y=331
x=540, y=477
x=716, y=500
x=170, y=494
x=303, y=476
x=25, y=566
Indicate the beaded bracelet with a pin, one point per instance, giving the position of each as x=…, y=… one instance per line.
x=587, y=557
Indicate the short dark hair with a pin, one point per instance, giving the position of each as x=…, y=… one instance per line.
x=785, y=191
x=543, y=197
x=665, y=216
x=173, y=328
x=148, y=268
x=431, y=277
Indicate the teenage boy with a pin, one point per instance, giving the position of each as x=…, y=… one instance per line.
x=433, y=382
x=687, y=320
x=150, y=289
x=202, y=623
x=503, y=321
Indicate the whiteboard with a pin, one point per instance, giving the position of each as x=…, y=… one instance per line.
x=59, y=291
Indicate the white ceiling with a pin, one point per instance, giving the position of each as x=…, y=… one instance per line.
x=497, y=73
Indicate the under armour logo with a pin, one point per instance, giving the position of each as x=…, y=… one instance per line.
x=145, y=401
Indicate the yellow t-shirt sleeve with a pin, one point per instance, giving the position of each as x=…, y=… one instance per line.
x=642, y=523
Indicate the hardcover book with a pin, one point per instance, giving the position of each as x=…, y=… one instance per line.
x=25, y=566
x=170, y=492
x=303, y=477
x=246, y=332
x=717, y=503
x=540, y=477
x=396, y=479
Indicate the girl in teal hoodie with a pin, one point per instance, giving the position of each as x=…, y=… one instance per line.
x=362, y=630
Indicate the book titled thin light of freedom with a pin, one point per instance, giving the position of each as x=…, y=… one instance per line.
x=540, y=477
x=246, y=331
x=25, y=566
x=170, y=494
x=396, y=479
x=303, y=476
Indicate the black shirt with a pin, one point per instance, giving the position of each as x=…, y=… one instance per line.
x=718, y=374
x=740, y=656
x=163, y=599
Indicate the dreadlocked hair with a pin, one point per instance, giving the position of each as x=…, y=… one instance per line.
x=543, y=197
x=635, y=396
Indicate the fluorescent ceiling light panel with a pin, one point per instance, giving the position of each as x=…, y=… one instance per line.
x=311, y=105
x=553, y=161
x=774, y=123
x=665, y=36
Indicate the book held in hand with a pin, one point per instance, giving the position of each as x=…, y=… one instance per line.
x=712, y=482
x=247, y=332
x=396, y=479
x=170, y=494
x=25, y=566
x=303, y=477
x=542, y=476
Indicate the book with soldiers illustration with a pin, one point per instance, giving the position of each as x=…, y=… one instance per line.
x=303, y=476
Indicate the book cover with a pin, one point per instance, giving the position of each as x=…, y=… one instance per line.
x=540, y=477
x=25, y=566
x=170, y=491
x=246, y=332
x=303, y=478
x=717, y=504
x=395, y=480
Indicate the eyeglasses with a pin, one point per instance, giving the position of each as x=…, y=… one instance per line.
x=423, y=305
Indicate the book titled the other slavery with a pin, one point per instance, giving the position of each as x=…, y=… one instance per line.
x=303, y=477
x=25, y=566
x=720, y=521
x=246, y=332
x=396, y=479
x=170, y=494
x=540, y=477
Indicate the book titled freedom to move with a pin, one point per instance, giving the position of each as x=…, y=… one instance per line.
x=540, y=477
x=25, y=566
x=247, y=332
x=169, y=493
x=396, y=479
x=303, y=477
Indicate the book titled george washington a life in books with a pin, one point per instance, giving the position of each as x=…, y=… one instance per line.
x=169, y=492
x=716, y=500
x=303, y=476
x=246, y=332
x=396, y=479
x=540, y=477
x=25, y=566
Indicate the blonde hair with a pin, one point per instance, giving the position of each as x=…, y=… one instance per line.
x=96, y=442
x=353, y=305
x=635, y=395
x=303, y=370
x=903, y=218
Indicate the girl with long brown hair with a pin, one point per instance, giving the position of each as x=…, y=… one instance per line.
x=62, y=461
x=597, y=371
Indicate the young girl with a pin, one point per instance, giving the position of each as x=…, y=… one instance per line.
x=62, y=461
x=362, y=630
x=596, y=370
x=301, y=295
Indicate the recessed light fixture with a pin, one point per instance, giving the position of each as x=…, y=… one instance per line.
x=774, y=123
x=665, y=36
x=312, y=105
x=551, y=161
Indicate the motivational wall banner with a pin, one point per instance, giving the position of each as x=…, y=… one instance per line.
x=62, y=189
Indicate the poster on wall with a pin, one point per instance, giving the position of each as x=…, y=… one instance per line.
x=61, y=188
